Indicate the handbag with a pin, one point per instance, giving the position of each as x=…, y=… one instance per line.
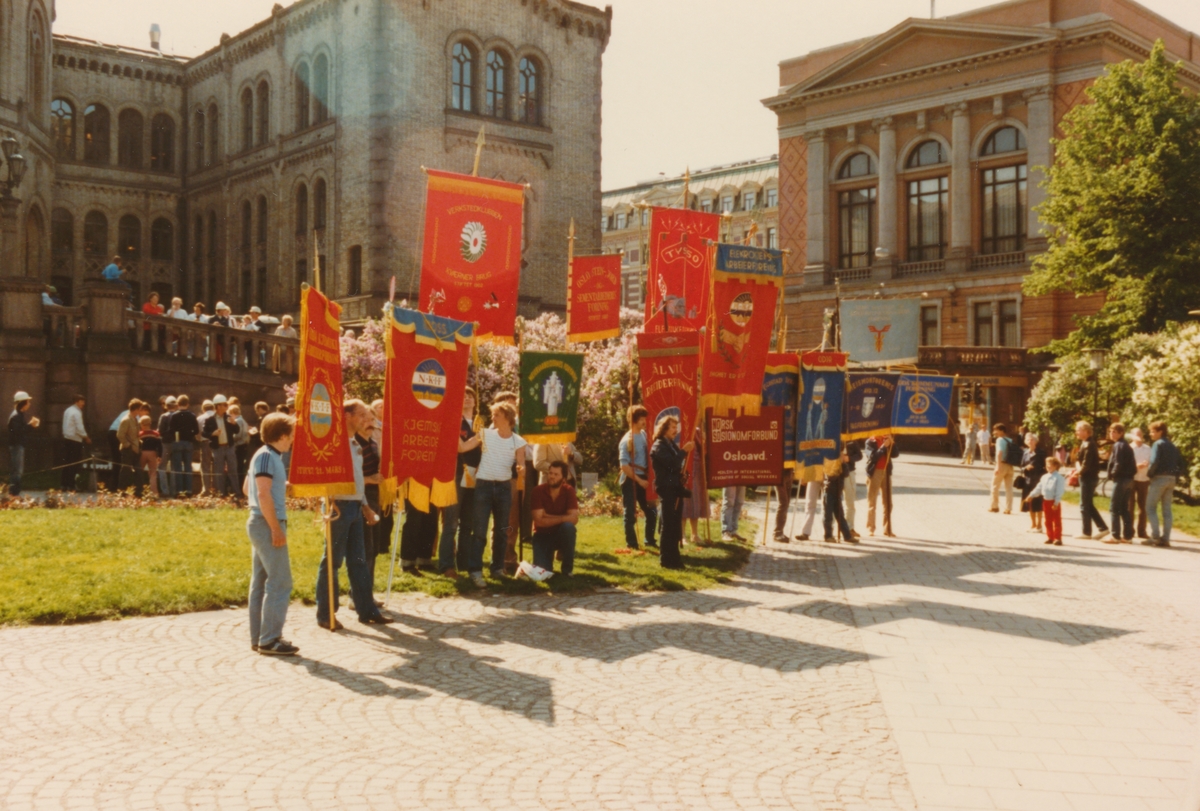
x=1020, y=483
x=1073, y=480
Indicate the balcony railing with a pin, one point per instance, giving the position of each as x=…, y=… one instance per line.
x=927, y=268
x=947, y=357
x=64, y=326
x=998, y=260
x=845, y=275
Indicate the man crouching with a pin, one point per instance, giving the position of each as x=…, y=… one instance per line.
x=555, y=514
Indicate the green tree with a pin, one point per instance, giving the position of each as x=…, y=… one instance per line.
x=1167, y=388
x=1123, y=204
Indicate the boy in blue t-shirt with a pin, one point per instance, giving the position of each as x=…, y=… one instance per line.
x=271, y=576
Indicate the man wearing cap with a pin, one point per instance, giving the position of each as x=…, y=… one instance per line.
x=221, y=319
x=19, y=426
x=74, y=438
x=220, y=430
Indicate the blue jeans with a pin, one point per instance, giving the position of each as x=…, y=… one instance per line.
x=164, y=477
x=1162, y=489
x=347, y=532
x=270, y=582
x=457, y=519
x=493, y=499
x=1119, y=509
x=559, y=539
x=632, y=495
x=1087, y=505
x=731, y=508
x=225, y=471
x=181, y=467
x=16, y=455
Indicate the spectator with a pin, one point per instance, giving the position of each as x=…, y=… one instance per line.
x=271, y=570
x=261, y=410
x=850, y=486
x=241, y=444
x=984, y=442
x=697, y=506
x=183, y=430
x=1006, y=452
x=970, y=444
x=1087, y=468
x=372, y=478
x=170, y=403
x=207, y=410
x=1166, y=464
x=555, y=516
x=501, y=448
x=458, y=519
x=151, y=307
x=834, y=511
x=151, y=452
x=131, y=447
x=1122, y=467
x=633, y=454
x=176, y=310
x=75, y=436
x=259, y=322
x=221, y=431
x=346, y=532
x=198, y=313
x=668, y=460
x=285, y=329
x=1033, y=467
x=19, y=426
x=1141, y=480
x=1050, y=489
x=879, y=452
x=50, y=296
x=113, y=272
x=418, y=537
x=114, y=452
x=732, y=500
x=217, y=341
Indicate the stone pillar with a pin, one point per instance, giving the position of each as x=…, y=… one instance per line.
x=817, y=259
x=960, y=188
x=887, y=201
x=1041, y=130
x=107, y=351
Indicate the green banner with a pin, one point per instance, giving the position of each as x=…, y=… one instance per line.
x=550, y=383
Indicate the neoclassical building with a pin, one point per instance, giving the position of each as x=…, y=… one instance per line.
x=910, y=165
x=297, y=145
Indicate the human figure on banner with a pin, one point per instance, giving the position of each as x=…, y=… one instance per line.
x=633, y=456
x=552, y=394
x=668, y=459
x=352, y=514
x=818, y=413
x=879, y=451
x=458, y=520
x=501, y=464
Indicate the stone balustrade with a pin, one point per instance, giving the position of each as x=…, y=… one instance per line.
x=213, y=344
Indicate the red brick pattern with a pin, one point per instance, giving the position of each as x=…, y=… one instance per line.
x=793, y=201
x=1066, y=97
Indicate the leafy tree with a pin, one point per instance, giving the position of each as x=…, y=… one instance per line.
x=1123, y=204
x=1167, y=388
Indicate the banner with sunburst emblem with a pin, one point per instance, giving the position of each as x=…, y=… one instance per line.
x=321, y=464
x=471, y=261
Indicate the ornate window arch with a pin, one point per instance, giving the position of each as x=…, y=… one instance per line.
x=97, y=124
x=531, y=88
x=858, y=164
x=496, y=72
x=62, y=128
x=264, y=112
x=129, y=237
x=322, y=100
x=928, y=152
x=303, y=119
x=462, y=76
x=37, y=64
x=247, y=119
x=302, y=210
x=320, y=204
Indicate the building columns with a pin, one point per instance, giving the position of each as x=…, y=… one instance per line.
x=960, y=188
x=1038, y=156
x=817, y=254
x=887, y=255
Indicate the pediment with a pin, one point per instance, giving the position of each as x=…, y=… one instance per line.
x=918, y=43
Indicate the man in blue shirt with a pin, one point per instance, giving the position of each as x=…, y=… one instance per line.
x=633, y=453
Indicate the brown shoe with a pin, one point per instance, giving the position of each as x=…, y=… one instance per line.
x=451, y=573
x=1048, y=541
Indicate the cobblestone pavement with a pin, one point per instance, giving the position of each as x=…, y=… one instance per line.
x=961, y=665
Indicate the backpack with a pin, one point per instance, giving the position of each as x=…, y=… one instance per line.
x=1013, y=453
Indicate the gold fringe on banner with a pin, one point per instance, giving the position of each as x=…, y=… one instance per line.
x=442, y=494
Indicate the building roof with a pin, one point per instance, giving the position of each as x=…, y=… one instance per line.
x=714, y=178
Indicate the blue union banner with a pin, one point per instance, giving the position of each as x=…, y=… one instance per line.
x=922, y=404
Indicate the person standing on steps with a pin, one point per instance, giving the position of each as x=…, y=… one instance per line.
x=1087, y=468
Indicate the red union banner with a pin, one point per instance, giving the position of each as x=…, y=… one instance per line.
x=678, y=278
x=427, y=359
x=321, y=464
x=746, y=449
x=746, y=284
x=667, y=365
x=594, y=298
x=471, y=266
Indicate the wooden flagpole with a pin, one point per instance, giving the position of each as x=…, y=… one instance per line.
x=479, y=142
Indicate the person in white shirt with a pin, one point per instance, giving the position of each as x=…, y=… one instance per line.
x=985, y=445
x=286, y=330
x=1141, y=479
x=75, y=437
x=502, y=448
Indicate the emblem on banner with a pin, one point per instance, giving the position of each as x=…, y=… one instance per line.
x=429, y=383
x=474, y=241
x=320, y=411
x=868, y=406
x=919, y=403
x=552, y=397
x=878, y=332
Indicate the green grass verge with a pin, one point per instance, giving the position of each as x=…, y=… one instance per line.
x=86, y=564
x=1183, y=518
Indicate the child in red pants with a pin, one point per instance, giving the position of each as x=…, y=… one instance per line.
x=1051, y=488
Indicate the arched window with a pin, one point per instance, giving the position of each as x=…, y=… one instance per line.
x=96, y=126
x=129, y=238
x=62, y=128
x=320, y=88
x=35, y=242
x=129, y=139
x=212, y=252
x=262, y=220
x=860, y=164
x=264, y=112
x=302, y=119
x=462, y=74
x=95, y=234
x=162, y=143
x=495, y=102
x=529, y=89
x=62, y=232
x=247, y=120
x=247, y=227
x=162, y=240
x=1005, y=139
x=37, y=66
x=302, y=210
x=198, y=131
x=213, y=135
x=929, y=153
x=319, y=204
x=354, y=287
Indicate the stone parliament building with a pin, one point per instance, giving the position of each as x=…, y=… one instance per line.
x=292, y=148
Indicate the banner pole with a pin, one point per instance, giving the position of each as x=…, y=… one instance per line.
x=479, y=142
x=326, y=518
x=767, y=517
x=395, y=549
x=570, y=272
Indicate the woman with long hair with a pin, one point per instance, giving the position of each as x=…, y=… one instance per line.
x=668, y=460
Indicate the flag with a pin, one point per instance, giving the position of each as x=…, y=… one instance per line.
x=667, y=366
x=819, y=420
x=781, y=384
x=878, y=331
x=746, y=286
x=678, y=278
x=870, y=402
x=550, y=383
x=922, y=404
x=321, y=463
x=594, y=298
x=471, y=266
x=426, y=377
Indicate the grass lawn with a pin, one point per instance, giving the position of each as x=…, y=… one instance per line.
x=84, y=564
x=1183, y=518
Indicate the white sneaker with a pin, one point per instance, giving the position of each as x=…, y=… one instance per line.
x=1083, y=537
x=1103, y=536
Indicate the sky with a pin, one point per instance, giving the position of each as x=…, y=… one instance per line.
x=683, y=79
